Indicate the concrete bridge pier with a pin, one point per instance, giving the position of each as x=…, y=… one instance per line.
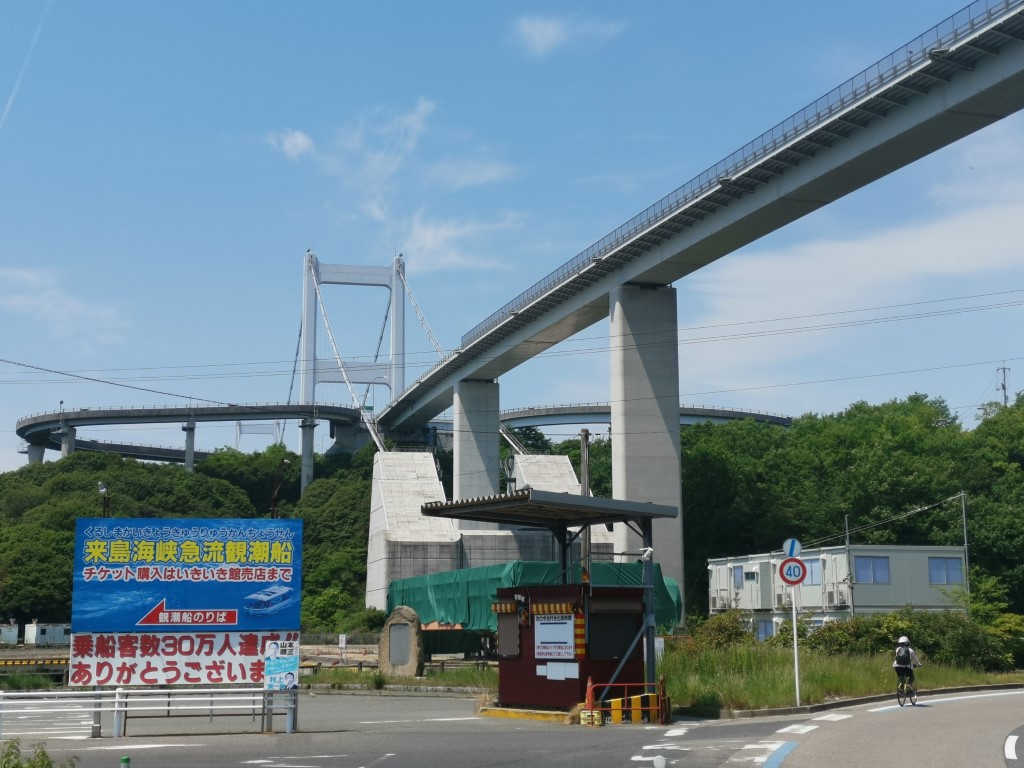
x=646, y=467
x=306, y=432
x=36, y=453
x=67, y=441
x=189, y=428
x=476, y=441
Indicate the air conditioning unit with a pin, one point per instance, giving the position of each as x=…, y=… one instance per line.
x=783, y=599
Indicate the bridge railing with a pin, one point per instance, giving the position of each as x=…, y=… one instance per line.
x=269, y=407
x=878, y=76
x=509, y=412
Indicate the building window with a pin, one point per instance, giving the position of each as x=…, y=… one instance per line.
x=871, y=570
x=737, y=577
x=813, y=578
x=765, y=629
x=750, y=576
x=945, y=570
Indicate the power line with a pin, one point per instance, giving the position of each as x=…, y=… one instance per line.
x=894, y=518
x=227, y=374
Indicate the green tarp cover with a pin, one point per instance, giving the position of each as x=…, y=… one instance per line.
x=464, y=597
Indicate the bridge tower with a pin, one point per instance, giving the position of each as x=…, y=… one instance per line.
x=313, y=371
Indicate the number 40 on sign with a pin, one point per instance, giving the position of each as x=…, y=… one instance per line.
x=793, y=571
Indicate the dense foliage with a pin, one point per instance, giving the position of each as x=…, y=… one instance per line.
x=951, y=638
x=746, y=487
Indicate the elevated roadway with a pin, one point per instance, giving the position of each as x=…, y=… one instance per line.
x=958, y=77
x=53, y=430
x=600, y=413
x=50, y=431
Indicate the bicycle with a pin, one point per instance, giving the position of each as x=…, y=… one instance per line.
x=905, y=689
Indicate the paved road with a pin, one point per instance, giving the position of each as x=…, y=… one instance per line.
x=360, y=731
x=955, y=730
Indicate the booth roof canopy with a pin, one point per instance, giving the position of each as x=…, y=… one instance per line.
x=545, y=509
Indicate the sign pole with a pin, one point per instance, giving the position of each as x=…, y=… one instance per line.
x=793, y=571
x=796, y=655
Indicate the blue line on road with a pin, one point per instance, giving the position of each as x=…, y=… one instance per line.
x=776, y=757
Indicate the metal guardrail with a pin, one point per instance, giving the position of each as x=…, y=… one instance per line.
x=510, y=412
x=124, y=704
x=875, y=78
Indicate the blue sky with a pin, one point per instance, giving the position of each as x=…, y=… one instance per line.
x=165, y=166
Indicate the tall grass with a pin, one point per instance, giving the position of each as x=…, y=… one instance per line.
x=26, y=681
x=757, y=676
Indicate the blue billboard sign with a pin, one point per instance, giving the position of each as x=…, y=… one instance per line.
x=166, y=575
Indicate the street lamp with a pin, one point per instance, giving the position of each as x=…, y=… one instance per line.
x=277, y=487
x=106, y=499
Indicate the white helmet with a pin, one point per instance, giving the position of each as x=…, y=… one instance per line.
x=904, y=640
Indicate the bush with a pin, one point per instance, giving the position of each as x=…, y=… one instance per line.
x=11, y=757
x=783, y=638
x=1008, y=631
x=25, y=681
x=943, y=637
x=723, y=630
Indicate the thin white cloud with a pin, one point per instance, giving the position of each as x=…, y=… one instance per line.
x=292, y=143
x=24, y=66
x=968, y=240
x=369, y=155
x=463, y=173
x=819, y=277
x=540, y=35
x=978, y=168
x=407, y=128
x=24, y=291
x=440, y=245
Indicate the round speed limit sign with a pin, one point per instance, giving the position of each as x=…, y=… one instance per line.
x=793, y=571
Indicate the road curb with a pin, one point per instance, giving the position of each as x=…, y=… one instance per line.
x=561, y=718
x=809, y=709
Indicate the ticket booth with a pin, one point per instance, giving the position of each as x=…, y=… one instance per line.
x=552, y=640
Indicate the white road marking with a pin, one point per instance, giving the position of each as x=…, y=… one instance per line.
x=142, y=746
x=676, y=732
x=1010, y=748
x=424, y=720
x=948, y=699
x=797, y=729
x=771, y=745
x=833, y=718
x=667, y=746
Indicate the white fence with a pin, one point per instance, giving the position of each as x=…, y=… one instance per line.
x=124, y=704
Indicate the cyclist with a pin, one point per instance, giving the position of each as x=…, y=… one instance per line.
x=906, y=659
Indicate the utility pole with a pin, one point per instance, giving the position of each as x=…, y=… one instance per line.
x=967, y=559
x=849, y=563
x=1006, y=397
x=585, y=489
